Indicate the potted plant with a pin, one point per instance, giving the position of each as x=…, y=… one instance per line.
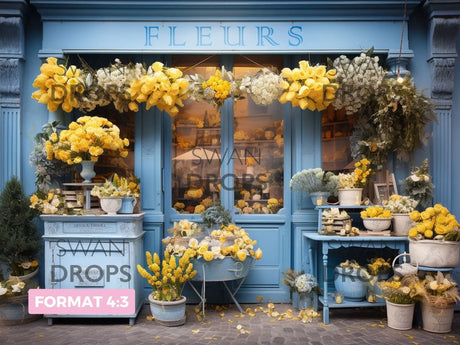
x=433, y=241
x=418, y=185
x=20, y=244
x=352, y=279
x=350, y=186
x=440, y=294
x=400, y=208
x=167, y=279
x=316, y=182
x=114, y=190
x=375, y=218
x=400, y=294
x=304, y=286
x=19, y=236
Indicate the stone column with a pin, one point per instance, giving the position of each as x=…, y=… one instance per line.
x=444, y=20
x=11, y=61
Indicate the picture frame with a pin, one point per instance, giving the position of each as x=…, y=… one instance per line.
x=383, y=191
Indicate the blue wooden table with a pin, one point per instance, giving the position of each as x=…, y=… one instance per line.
x=316, y=245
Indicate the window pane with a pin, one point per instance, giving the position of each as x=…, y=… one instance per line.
x=336, y=131
x=195, y=145
x=259, y=147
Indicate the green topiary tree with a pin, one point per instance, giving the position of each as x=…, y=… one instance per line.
x=19, y=236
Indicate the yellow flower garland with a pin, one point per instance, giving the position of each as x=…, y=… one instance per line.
x=308, y=87
x=57, y=85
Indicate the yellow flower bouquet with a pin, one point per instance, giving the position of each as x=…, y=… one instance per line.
x=405, y=290
x=167, y=277
x=161, y=87
x=358, y=178
x=308, y=87
x=435, y=223
x=57, y=85
x=47, y=203
x=86, y=139
x=118, y=186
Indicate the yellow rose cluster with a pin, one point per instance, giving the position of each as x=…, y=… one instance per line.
x=434, y=223
x=375, y=212
x=220, y=87
x=57, y=85
x=308, y=87
x=168, y=275
x=162, y=87
x=86, y=139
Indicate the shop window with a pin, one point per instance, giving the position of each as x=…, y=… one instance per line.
x=336, y=129
x=258, y=151
x=196, y=144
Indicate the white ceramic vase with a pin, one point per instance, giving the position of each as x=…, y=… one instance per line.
x=111, y=205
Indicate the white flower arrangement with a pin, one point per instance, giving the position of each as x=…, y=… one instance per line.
x=116, y=79
x=314, y=180
x=400, y=204
x=358, y=79
x=305, y=283
x=264, y=87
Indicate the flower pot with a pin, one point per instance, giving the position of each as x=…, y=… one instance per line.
x=319, y=198
x=128, y=204
x=111, y=205
x=432, y=253
x=377, y=224
x=224, y=269
x=350, y=196
x=435, y=319
x=15, y=311
x=401, y=224
x=87, y=171
x=351, y=282
x=168, y=313
x=400, y=316
x=305, y=300
x=30, y=279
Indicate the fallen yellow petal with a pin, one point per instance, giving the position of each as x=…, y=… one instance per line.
x=157, y=337
x=259, y=298
x=222, y=314
x=230, y=320
x=324, y=325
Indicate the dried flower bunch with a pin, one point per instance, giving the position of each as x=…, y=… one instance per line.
x=86, y=139
x=439, y=290
x=405, y=290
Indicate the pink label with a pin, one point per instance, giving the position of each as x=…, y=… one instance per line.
x=82, y=301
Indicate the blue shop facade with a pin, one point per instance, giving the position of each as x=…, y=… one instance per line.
x=201, y=148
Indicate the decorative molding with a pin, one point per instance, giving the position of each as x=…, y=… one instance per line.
x=326, y=10
x=403, y=59
x=10, y=75
x=442, y=81
x=12, y=37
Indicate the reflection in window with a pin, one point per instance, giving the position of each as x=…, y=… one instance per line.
x=258, y=147
x=335, y=132
x=196, y=143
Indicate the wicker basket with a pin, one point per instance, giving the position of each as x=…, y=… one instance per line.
x=405, y=268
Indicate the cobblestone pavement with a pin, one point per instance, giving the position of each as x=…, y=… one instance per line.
x=228, y=327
